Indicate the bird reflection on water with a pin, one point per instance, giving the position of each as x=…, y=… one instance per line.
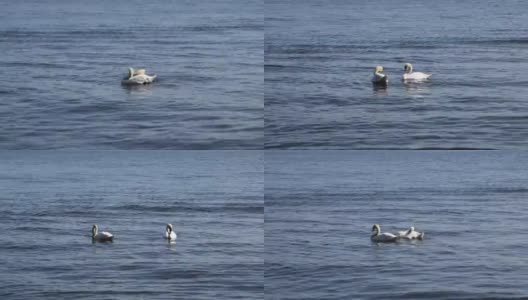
x=380, y=89
x=417, y=88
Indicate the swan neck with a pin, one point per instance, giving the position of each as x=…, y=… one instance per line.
x=376, y=230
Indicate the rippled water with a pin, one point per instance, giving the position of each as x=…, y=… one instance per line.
x=320, y=207
x=62, y=63
x=50, y=200
x=319, y=57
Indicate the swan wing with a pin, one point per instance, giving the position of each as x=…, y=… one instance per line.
x=402, y=233
x=416, y=76
x=380, y=78
x=139, y=79
x=417, y=235
x=171, y=236
x=104, y=236
x=388, y=235
x=385, y=238
x=414, y=235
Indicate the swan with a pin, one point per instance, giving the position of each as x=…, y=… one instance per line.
x=379, y=77
x=101, y=236
x=137, y=77
x=411, y=234
x=169, y=233
x=410, y=75
x=385, y=237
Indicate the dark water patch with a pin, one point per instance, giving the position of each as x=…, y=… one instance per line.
x=95, y=108
x=36, y=65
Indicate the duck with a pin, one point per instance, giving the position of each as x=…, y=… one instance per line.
x=385, y=237
x=101, y=236
x=410, y=75
x=169, y=233
x=379, y=77
x=137, y=77
x=411, y=234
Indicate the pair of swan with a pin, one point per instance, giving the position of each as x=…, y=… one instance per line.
x=411, y=234
x=386, y=237
x=137, y=77
x=409, y=75
x=105, y=236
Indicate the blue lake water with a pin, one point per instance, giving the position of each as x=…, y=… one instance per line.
x=320, y=55
x=321, y=205
x=50, y=200
x=62, y=63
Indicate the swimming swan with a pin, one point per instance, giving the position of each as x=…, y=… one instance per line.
x=379, y=77
x=385, y=237
x=101, y=236
x=137, y=77
x=411, y=234
x=410, y=75
x=169, y=233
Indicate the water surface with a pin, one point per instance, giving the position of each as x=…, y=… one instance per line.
x=321, y=205
x=50, y=200
x=62, y=63
x=320, y=55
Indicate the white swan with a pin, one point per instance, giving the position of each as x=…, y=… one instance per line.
x=101, y=236
x=379, y=77
x=169, y=233
x=385, y=237
x=137, y=77
x=410, y=75
x=411, y=234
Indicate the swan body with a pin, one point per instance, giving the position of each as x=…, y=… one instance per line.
x=416, y=76
x=101, y=236
x=379, y=77
x=137, y=77
x=385, y=237
x=169, y=233
x=411, y=234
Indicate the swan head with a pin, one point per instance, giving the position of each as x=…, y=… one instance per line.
x=411, y=229
x=94, y=230
x=130, y=72
x=408, y=68
x=376, y=229
x=169, y=228
x=379, y=69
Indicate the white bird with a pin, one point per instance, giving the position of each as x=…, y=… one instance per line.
x=101, y=236
x=379, y=77
x=417, y=76
x=137, y=77
x=411, y=234
x=385, y=237
x=169, y=233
